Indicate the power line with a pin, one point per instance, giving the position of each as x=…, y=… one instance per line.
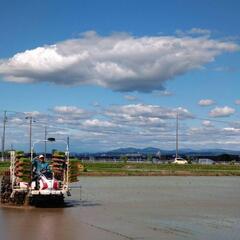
x=216, y=120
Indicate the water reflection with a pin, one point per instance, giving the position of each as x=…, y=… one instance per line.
x=134, y=208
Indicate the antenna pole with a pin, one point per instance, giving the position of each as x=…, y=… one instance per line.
x=68, y=142
x=4, y=132
x=45, y=142
x=177, y=126
x=30, y=133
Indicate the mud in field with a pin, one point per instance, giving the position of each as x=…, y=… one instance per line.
x=134, y=208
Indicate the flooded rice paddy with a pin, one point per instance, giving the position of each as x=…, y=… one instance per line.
x=105, y=208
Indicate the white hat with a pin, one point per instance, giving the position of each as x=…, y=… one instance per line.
x=41, y=156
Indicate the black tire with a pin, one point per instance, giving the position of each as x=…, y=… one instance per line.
x=6, y=189
x=19, y=198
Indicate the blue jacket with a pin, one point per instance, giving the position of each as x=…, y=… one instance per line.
x=38, y=166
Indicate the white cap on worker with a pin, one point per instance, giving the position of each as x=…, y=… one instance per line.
x=41, y=156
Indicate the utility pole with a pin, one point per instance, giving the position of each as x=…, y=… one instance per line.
x=4, y=131
x=177, y=126
x=45, y=142
x=68, y=142
x=30, y=132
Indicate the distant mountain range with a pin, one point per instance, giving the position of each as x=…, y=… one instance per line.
x=184, y=151
x=152, y=150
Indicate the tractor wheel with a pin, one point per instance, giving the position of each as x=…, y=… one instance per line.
x=6, y=189
x=19, y=198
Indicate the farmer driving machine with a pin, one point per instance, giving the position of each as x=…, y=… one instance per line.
x=21, y=185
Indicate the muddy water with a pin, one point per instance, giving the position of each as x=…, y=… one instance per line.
x=134, y=208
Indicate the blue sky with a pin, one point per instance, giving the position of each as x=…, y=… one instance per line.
x=99, y=71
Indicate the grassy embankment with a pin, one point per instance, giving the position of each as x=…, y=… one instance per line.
x=146, y=169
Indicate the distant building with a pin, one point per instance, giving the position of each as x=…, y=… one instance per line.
x=205, y=161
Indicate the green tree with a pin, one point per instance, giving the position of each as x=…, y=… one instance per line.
x=150, y=158
x=124, y=158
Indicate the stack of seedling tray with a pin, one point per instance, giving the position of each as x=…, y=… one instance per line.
x=23, y=168
x=58, y=166
x=75, y=167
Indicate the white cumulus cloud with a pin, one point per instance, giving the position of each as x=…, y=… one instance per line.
x=200, y=31
x=163, y=93
x=207, y=123
x=131, y=111
x=194, y=31
x=98, y=123
x=206, y=102
x=71, y=112
x=130, y=97
x=122, y=125
x=222, y=112
x=237, y=102
x=120, y=62
x=68, y=110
